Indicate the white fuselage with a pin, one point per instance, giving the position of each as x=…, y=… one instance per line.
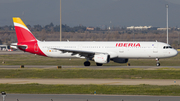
x=114, y=49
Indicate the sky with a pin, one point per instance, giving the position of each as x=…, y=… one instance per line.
x=93, y=13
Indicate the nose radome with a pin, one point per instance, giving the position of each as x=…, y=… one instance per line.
x=175, y=52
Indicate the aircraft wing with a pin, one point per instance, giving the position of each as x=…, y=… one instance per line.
x=89, y=54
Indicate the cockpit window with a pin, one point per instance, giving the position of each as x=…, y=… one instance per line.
x=167, y=47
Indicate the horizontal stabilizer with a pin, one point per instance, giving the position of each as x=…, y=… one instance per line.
x=19, y=46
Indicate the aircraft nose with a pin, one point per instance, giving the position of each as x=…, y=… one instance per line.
x=175, y=52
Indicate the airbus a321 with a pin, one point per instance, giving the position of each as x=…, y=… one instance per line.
x=101, y=52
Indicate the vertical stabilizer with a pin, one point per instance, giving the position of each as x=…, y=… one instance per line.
x=22, y=32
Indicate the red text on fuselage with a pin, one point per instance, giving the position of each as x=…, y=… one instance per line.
x=128, y=45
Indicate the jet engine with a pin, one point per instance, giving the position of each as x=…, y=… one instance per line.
x=120, y=60
x=101, y=58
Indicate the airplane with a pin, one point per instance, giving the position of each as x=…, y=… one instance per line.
x=101, y=52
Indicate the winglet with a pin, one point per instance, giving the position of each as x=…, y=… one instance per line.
x=22, y=32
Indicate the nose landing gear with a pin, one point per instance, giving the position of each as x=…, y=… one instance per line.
x=157, y=60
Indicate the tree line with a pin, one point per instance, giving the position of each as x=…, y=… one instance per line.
x=51, y=28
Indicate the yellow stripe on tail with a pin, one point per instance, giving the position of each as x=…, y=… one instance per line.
x=19, y=21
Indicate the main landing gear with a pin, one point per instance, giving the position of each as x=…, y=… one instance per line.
x=157, y=60
x=87, y=63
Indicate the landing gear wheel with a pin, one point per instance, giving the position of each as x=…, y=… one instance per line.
x=99, y=64
x=158, y=64
x=87, y=63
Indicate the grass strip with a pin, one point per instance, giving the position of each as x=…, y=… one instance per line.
x=83, y=73
x=173, y=90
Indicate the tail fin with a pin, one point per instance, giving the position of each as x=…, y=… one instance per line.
x=22, y=32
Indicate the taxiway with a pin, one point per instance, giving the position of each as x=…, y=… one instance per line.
x=92, y=81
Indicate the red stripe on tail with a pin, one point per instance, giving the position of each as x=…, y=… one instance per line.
x=24, y=35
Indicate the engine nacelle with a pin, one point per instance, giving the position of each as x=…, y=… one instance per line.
x=102, y=58
x=120, y=60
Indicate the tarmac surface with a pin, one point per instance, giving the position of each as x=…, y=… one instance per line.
x=75, y=97
x=88, y=67
x=92, y=81
x=12, y=52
